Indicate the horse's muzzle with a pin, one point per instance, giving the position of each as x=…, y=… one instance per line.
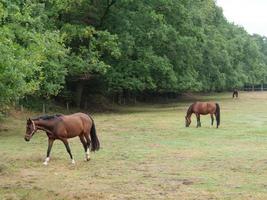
x=26, y=139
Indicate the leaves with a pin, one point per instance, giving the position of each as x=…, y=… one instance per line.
x=132, y=46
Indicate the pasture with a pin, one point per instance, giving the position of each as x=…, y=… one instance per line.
x=146, y=153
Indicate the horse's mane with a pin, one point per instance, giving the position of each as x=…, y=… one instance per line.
x=189, y=110
x=47, y=117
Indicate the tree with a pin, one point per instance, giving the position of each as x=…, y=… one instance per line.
x=31, y=57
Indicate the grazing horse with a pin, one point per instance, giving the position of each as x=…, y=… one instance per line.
x=203, y=108
x=235, y=93
x=62, y=127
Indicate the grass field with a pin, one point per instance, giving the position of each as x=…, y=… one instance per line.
x=147, y=153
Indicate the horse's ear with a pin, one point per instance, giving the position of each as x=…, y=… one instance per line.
x=29, y=121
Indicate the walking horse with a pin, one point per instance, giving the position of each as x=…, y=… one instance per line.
x=63, y=127
x=203, y=108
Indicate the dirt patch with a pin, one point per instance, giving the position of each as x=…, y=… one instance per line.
x=3, y=129
x=3, y=169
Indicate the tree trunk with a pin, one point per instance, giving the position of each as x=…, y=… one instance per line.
x=113, y=99
x=86, y=104
x=79, y=92
x=21, y=108
x=44, y=110
x=119, y=98
x=67, y=104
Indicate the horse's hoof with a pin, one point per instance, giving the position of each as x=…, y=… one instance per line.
x=45, y=163
x=86, y=159
x=73, y=162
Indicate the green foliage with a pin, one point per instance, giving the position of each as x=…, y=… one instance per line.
x=31, y=57
x=200, y=49
x=90, y=47
x=132, y=47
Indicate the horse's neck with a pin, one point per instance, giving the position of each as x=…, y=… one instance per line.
x=188, y=115
x=189, y=111
x=44, y=125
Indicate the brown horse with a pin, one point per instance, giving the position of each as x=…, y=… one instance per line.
x=62, y=127
x=235, y=93
x=203, y=108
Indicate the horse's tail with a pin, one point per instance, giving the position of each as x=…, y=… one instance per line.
x=94, y=138
x=217, y=114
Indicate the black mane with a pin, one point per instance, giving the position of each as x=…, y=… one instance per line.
x=47, y=117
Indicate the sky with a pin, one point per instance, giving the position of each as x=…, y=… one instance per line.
x=250, y=14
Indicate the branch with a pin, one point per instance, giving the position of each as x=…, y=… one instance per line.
x=109, y=4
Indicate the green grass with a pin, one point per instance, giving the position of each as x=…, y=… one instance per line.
x=147, y=153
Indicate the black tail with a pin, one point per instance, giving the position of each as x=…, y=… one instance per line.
x=217, y=114
x=94, y=138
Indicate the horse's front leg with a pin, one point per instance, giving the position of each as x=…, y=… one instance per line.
x=50, y=144
x=68, y=149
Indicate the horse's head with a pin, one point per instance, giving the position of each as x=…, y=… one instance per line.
x=187, y=121
x=30, y=129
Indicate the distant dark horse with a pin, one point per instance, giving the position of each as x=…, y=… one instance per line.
x=235, y=93
x=62, y=127
x=203, y=108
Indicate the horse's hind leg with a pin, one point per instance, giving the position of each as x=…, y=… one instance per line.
x=198, y=120
x=68, y=149
x=86, y=135
x=212, y=119
x=86, y=148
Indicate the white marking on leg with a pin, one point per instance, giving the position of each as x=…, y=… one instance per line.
x=46, y=161
x=85, y=158
x=88, y=154
x=72, y=161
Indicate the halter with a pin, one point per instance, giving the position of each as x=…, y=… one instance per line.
x=34, y=128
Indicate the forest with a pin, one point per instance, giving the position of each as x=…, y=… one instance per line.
x=74, y=51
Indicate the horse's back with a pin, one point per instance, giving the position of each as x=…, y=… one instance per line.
x=77, y=122
x=79, y=115
x=205, y=108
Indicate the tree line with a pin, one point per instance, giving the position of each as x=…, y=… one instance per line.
x=76, y=49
